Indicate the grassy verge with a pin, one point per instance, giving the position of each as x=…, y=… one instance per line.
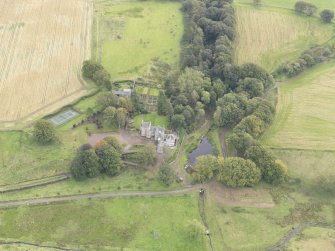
x=159, y=223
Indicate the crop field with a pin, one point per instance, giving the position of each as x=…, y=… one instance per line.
x=305, y=116
x=43, y=44
x=144, y=223
x=260, y=43
x=130, y=34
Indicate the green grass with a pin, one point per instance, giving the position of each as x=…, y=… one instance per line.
x=305, y=117
x=154, y=92
x=132, y=33
x=129, y=180
x=214, y=138
x=313, y=238
x=259, y=43
x=321, y=4
x=136, y=223
x=22, y=159
x=154, y=118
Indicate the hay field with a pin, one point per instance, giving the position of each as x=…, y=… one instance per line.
x=130, y=34
x=43, y=44
x=305, y=116
x=272, y=36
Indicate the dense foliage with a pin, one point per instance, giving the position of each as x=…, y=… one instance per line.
x=166, y=174
x=44, y=132
x=85, y=164
x=327, y=15
x=205, y=168
x=96, y=72
x=305, y=8
x=312, y=56
x=238, y=172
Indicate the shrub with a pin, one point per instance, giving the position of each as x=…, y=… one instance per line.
x=44, y=132
x=327, y=15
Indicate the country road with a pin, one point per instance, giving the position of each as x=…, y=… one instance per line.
x=48, y=200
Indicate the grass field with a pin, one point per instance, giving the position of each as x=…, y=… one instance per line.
x=144, y=223
x=129, y=180
x=313, y=239
x=154, y=118
x=42, y=47
x=305, y=117
x=260, y=43
x=22, y=159
x=129, y=34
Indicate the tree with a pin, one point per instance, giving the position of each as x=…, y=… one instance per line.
x=178, y=121
x=121, y=117
x=251, y=125
x=89, y=68
x=44, y=132
x=113, y=142
x=106, y=99
x=241, y=142
x=145, y=156
x=252, y=86
x=109, y=159
x=85, y=164
x=257, y=2
x=204, y=168
x=306, y=8
x=166, y=174
x=164, y=106
x=109, y=115
x=238, y=172
x=327, y=15
x=273, y=171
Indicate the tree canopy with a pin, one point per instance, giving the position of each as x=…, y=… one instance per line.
x=44, y=132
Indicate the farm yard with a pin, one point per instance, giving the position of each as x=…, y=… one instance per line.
x=41, y=55
x=259, y=43
x=128, y=35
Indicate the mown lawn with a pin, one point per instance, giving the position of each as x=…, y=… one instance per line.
x=154, y=118
x=260, y=43
x=144, y=223
x=305, y=117
x=132, y=33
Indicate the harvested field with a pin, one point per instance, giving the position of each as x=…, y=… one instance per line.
x=272, y=36
x=43, y=44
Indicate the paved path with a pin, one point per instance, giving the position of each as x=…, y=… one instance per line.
x=48, y=200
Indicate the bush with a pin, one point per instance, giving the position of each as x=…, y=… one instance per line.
x=305, y=8
x=85, y=165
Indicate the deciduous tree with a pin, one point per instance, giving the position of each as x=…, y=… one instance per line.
x=44, y=132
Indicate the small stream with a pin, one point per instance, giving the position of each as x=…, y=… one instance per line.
x=204, y=148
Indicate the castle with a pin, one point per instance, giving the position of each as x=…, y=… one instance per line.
x=157, y=133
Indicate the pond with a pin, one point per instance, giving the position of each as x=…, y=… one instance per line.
x=204, y=148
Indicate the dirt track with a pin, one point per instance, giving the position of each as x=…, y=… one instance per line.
x=49, y=200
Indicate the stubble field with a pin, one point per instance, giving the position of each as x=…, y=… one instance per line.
x=43, y=44
x=273, y=36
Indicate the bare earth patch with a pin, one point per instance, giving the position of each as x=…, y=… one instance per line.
x=43, y=44
x=240, y=197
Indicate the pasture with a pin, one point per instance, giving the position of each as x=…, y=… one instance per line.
x=22, y=159
x=144, y=223
x=305, y=117
x=128, y=35
x=273, y=36
x=43, y=44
